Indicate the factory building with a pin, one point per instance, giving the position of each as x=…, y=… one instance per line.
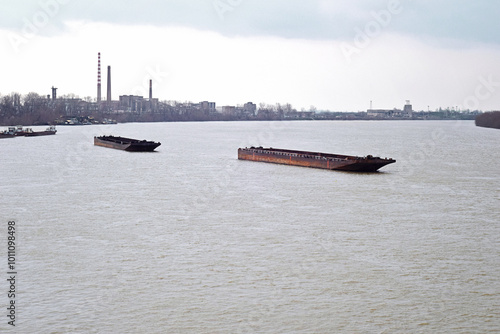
x=407, y=112
x=206, y=106
x=134, y=103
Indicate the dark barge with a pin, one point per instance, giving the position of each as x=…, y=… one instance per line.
x=314, y=159
x=28, y=132
x=126, y=144
x=6, y=134
x=49, y=131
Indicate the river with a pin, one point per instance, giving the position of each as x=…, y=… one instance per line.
x=191, y=240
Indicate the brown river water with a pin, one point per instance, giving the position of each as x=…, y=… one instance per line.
x=191, y=240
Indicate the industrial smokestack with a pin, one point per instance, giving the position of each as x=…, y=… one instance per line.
x=150, y=90
x=109, y=87
x=150, y=95
x=99, y=77
x=54, y=93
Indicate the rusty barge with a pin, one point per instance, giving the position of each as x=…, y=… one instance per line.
x=126, y=144
x=314, y=159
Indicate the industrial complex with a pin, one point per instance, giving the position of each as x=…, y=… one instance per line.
x=72, y=110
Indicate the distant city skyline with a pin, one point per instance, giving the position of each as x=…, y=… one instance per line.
x=334, y=55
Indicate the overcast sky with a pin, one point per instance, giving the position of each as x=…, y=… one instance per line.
x=333, y=54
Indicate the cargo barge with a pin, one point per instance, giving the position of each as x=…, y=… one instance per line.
x=314, y=159
x=18, y=130
x=8, y=133
x=126, y=144
x=49, y=131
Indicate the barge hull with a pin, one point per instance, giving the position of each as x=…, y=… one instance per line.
x=314, y=159
x=126, y=144
x=41, y=133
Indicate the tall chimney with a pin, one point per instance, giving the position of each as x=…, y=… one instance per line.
x=109, y=87
x=54, y=93
x=150, y=95
x=98, y=77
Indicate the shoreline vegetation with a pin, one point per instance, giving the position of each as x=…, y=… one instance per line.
x=489, y=120
x=33, y=109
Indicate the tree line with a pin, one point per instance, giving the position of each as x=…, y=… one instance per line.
x=26, y=109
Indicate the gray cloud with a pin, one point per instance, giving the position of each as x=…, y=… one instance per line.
x=461, y=20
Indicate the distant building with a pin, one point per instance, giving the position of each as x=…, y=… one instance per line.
x=408, y=109
x=407, y=112
x=382, y=113
x=207, y=106
x=249, y=109
x=131, y=103
x=134, y=103
x=229, y=110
